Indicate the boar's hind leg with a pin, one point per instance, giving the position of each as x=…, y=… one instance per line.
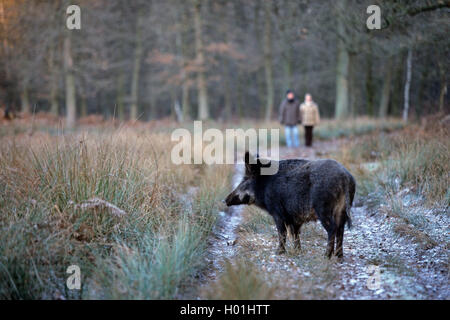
x=325, y=217
x=281, y=227
x=331, y=235
x=339, y=240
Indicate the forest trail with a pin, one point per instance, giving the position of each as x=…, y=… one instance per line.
x=222, y=243
x=379, y=263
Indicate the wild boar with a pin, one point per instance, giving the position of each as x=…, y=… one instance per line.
x=301, y=191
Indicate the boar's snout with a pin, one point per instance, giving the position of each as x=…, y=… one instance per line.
x=230, y=199
x=239, y=196
x=235, y=198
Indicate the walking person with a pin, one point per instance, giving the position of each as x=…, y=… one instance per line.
x=309, y=112
x=290, y=118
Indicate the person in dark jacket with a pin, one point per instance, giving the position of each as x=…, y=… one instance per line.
x=290, y=118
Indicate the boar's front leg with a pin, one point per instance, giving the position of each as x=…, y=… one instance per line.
x=281, y=227
x=295, y=232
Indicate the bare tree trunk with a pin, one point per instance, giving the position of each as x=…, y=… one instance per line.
x=396, y=96
x=341, y=108
x=178, y=111
x=71, y=110
x=268, y=59
x=54, y=108
x=369, y=84
x=262, y=93
x=203, y=109
x=287, y=47
x=442, y=95
x=120, y=96
x=182, y=51
x=351, y=87
x=407, y=84
x=443, y=90
x=84, y=110
x=25, y=101
x=185, y=101
x=227, y=25
x=420, y=100
x=153, y=102
x=240, y=94
x=173, y=102
x=385, y=94
x=288, y=69
x=136, y=69
x=228, y=102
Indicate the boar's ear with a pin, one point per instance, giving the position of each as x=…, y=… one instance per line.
x=251, y=164
x=264, y=163
x=247, y=157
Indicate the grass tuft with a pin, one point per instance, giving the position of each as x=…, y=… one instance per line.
x=241, y=280
x=112, y=203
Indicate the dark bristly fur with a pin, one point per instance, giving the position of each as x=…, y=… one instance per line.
x=301, y=191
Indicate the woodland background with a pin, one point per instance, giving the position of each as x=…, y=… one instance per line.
x=223, y=59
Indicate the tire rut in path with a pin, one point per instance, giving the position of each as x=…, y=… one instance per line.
x=223, y=242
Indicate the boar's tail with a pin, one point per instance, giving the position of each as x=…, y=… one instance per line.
x=348, y=207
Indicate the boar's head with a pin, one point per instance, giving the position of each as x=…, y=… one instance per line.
x=245, y=191
x=243, y=194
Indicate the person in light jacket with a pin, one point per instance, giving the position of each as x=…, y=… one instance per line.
x=309, y=112
x=290, y=118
